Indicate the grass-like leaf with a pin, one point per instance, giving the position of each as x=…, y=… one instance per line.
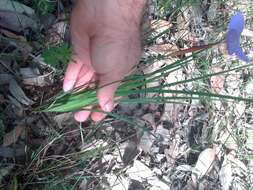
x=136, y=85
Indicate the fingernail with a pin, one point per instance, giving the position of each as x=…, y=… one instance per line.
x=81, y=116
x=108, y=106
x=68, y=86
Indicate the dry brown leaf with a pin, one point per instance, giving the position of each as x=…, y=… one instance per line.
x=12, y=136
x=57, y=33
x=160, y=25
x=163, y=48
x=42, y=80
x=20, y=42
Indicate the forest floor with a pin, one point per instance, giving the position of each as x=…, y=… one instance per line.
x=198, y=144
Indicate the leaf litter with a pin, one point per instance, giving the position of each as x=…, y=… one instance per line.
x=198, y=144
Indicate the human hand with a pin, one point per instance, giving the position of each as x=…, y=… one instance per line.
x=105, y=36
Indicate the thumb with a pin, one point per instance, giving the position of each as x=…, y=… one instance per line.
x=106, y=91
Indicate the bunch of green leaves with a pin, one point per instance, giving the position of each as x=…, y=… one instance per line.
x=136, y=85
x=57, y=56
x=44, y=7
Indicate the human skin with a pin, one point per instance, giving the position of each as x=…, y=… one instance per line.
x=105, y=35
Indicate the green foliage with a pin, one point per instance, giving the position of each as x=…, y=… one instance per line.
x=14, y=183
x=135, y=84
x=43, y=7
x=58, y=56
x=170, y=6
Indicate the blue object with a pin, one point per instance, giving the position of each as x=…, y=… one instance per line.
x=235, y=28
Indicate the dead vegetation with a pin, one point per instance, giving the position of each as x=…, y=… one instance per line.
x=199, y=144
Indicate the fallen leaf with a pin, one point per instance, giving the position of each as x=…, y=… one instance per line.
x=15, y=102
x=16, y=22
x=225, y=174
x=19, y=94
x=12, y=136
x=18, y=41
x=64, y=119
x=163, y=48
x=238, y=170
x=160, y=26
x=10, y=5
x=57, y=33
x=184, y=167
x=146, y=142
x=28, y=72
x=149, y=118
x=204, y=164
x=130, y=152
x=247, y=32
x=41, y=80
x=5, y=78
x=141, y=172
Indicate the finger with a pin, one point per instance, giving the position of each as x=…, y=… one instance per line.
x=106, y=91
x=82, y=116
x=97, y=116
x=80, y=62
x=85, y=76
x=71, y=74
x=112, y=61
